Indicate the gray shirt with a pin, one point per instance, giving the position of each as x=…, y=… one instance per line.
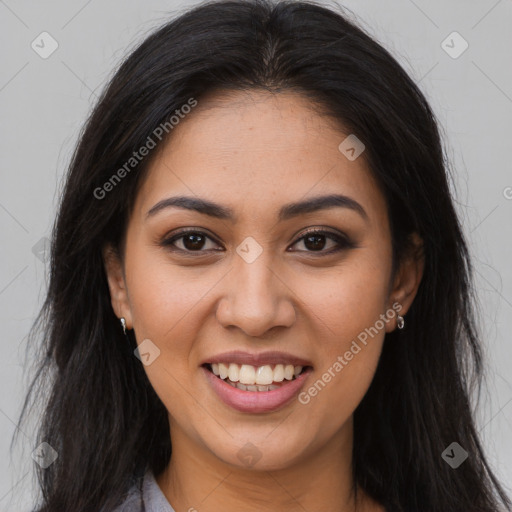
x=145, y=497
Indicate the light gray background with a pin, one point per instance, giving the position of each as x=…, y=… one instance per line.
x=44, y=103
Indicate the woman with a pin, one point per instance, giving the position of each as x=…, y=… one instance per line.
x=260, y=290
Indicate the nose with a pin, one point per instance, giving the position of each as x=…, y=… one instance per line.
x=256, y=298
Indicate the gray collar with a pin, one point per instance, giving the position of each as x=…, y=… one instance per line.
x=153, y=498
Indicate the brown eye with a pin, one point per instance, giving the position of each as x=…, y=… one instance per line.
x=316, y=241
x=193, y=241
x=189, y=241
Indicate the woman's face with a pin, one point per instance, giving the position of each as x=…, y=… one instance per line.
x=253, y=287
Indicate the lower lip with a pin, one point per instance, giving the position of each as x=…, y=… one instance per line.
x=256, y=401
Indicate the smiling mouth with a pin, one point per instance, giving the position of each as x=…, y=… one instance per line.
x=255, y=378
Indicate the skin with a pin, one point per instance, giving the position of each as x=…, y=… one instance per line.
x=255, y=152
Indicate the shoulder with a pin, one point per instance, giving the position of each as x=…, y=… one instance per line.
x=153, y=498
x=133, y=499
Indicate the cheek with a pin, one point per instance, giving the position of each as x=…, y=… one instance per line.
x=350, y=298
x=347, y=314
x=163, y=296
x=168, y=305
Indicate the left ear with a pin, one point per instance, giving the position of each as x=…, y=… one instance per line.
x=408, y=277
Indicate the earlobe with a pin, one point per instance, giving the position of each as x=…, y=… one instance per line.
x=117, y=284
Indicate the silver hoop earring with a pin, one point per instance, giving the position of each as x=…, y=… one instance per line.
x=123, y=324
x=400, y=322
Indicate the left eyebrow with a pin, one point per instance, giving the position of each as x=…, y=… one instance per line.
x=321, y=203
x=206, y=207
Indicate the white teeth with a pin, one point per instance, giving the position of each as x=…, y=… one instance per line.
x=279, y=372
x=288, y=372
x=262, y=376
x=234, y=372
x=223, y=371
x=247, y=374
x=243, y=387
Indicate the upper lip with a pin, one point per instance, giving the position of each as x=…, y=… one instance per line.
x=261, y=359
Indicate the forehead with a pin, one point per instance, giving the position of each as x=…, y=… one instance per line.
x=256, y=150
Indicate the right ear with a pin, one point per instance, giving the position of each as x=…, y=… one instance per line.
x=117, y=285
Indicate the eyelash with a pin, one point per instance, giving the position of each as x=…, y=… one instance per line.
x=342, y=241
